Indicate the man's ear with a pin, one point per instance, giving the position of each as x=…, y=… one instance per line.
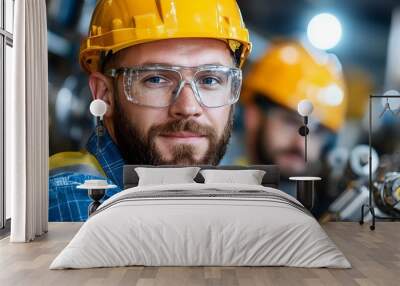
x=101, y=87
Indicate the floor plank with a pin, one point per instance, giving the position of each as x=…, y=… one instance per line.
x=374, y=255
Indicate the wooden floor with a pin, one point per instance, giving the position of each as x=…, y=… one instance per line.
x=374, y=255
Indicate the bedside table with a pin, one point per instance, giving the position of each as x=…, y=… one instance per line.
x=305, y=191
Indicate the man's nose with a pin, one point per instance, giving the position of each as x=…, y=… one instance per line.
x=186, y=105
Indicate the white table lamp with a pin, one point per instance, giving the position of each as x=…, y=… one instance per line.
x=98, y=108
x=305, y=108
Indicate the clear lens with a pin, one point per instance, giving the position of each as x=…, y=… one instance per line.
x=158, y=87
x=154, y=87
x=213, y=87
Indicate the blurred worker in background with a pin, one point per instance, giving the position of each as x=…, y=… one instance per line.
x=286, y=74
x=169, y=72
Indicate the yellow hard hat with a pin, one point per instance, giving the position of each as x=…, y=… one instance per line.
x=118, y=24
x=289, y=72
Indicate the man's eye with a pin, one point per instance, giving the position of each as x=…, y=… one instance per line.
x=156, y=80
x=209, y=81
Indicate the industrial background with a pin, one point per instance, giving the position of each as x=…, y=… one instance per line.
x=368, y=36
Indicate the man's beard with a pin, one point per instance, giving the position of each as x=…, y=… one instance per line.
x=138, y=149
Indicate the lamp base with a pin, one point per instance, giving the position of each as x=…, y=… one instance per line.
x=96, y=195
x=305, y=191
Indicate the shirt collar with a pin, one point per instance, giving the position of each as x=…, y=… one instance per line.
x=108, y=155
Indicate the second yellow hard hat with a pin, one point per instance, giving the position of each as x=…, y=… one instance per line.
x=289, y=72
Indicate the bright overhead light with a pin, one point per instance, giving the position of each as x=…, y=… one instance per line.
x=331, y=95
x=324, y=31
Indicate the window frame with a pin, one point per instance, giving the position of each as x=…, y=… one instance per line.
x=6, y=39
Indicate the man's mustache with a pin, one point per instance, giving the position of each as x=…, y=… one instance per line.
x=182, y=126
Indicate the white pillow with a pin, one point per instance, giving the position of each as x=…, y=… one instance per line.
x=162, y=176
x=249, y=177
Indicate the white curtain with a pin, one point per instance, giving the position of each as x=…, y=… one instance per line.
x=27, y=124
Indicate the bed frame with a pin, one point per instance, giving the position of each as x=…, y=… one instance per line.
x=270, y=179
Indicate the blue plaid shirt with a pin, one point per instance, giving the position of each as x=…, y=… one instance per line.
x=66, y=202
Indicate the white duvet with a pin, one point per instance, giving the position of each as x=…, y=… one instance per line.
x=201, y=224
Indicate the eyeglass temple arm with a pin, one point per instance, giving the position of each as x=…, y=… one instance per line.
x=114, y=72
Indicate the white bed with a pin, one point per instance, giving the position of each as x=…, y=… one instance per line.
x=201, y=224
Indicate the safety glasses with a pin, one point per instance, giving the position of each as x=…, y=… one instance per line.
x=160, y=85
